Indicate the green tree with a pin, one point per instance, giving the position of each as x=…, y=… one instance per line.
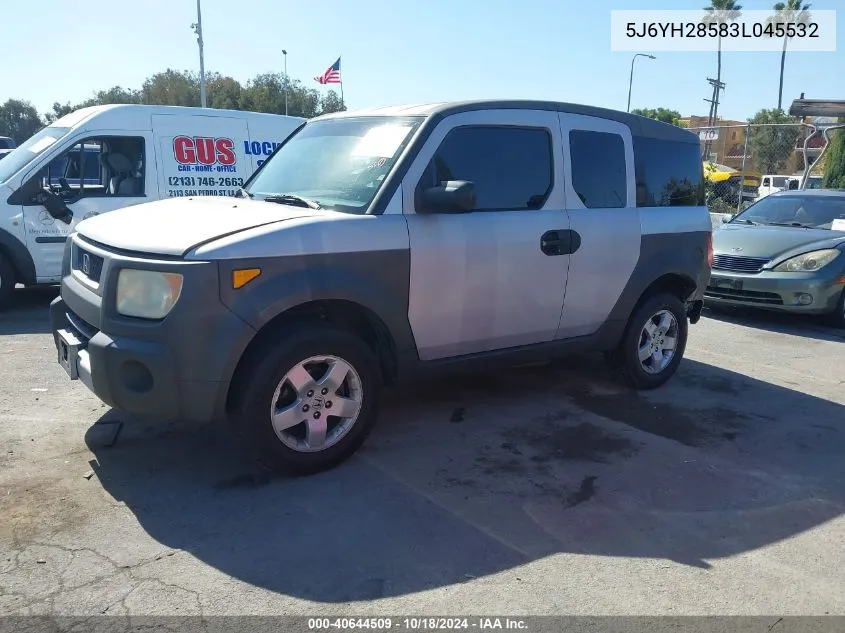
x=331, y=102
x=772, y=145
x=223, y=92
x=19, y=120
x=787, y=13
x=172, y=87
x=660, y=114
x=59, y=110
x=721, y=12
x=834, y=161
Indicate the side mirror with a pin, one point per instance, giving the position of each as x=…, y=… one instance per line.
x=56, y=207
x=451, y=196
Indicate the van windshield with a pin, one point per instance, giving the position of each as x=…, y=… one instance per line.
x=33, y=147
x=338, y=163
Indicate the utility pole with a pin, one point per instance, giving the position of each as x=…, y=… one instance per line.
x=285, y=53
x=197, y=26
x=713, y=115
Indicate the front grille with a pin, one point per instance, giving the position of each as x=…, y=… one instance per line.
x=748, y=296
x=88, y=264
x=739, y=264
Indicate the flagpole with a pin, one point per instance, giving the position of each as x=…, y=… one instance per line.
x=342, y=105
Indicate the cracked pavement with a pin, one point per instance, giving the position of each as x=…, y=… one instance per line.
x=541, y=490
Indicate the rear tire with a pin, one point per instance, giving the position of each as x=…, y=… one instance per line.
x=285, y=380
x=7, y=281
x=653, y=343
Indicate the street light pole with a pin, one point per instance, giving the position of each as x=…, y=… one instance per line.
x=631, y=80
x=285, y=53
x=197, y=26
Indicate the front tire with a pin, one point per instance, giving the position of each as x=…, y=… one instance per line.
x=654, y=342
x=7, y=281
x=309, y=401
x=837, y=317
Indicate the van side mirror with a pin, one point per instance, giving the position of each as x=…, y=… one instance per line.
x=56, y=207
x=451, y=196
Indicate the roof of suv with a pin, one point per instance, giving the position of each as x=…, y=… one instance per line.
x=640, y=126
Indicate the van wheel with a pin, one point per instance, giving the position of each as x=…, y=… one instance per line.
x=654, y=342
x=7, y=281
x=310, y=401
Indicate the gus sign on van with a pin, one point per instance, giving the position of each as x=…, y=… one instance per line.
x=215, y=163
x=104, y=158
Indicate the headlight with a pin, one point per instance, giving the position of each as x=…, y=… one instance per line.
x=808, y=262
x=147, y=294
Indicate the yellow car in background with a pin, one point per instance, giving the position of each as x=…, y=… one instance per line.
x=730, y=184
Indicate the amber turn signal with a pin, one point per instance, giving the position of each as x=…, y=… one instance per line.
x=242, y=277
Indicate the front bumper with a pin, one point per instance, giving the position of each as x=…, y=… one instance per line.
x=177, y=368
x=807, y=293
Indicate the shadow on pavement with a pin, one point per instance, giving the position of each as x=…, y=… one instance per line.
x=471, y=477
x=808, y=326
x=29, y=311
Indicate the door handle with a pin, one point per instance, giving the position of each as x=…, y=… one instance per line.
x=561, y=242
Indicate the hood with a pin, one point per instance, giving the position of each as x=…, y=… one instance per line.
x=176, y=225
x=771, y=241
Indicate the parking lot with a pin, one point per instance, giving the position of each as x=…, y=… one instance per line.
x=541, y=490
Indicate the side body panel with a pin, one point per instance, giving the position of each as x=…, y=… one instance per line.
x=610, y=239
x=360, y=259
x=479, y=281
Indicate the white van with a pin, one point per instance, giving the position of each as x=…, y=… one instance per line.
x=104, y=158
x=772, y=183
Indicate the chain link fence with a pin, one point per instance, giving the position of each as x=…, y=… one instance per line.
x=746, y=161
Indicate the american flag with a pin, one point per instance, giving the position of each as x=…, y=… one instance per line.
x=331, y=76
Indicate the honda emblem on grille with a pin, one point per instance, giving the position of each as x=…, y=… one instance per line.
x=86, y=263
x=737, y=249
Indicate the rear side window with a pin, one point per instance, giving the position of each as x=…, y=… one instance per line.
x=598, y=169
x=511, y=167
x=669, y=173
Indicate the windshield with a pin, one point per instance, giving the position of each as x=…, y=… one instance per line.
x=339, y=164
x=817, y=212
x=34, y=146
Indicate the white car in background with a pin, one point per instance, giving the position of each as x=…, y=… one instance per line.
x=772, y=183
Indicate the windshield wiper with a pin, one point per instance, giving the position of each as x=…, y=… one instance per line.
x=290, y=198
x=243, y=193
x=742, y=221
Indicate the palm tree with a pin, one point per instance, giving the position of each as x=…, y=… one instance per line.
x=789, y=12
x=721, y=12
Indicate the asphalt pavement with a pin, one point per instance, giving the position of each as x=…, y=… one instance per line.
x=537, y=490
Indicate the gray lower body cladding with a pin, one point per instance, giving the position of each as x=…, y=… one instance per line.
x=183, y=366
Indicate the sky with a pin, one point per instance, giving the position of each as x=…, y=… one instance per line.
x=394, y=52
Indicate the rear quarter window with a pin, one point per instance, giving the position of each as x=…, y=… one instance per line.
x=669, y=173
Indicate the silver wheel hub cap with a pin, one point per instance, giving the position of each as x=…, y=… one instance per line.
x=316, y=403
x=658, y=342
